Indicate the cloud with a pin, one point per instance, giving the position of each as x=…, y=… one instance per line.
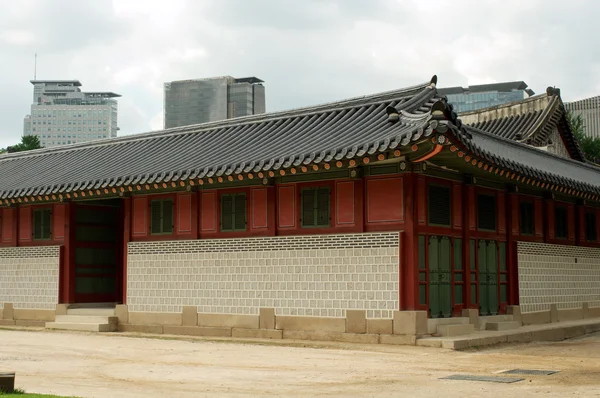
x=307, y=52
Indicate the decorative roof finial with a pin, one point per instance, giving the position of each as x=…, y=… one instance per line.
x=433, y=81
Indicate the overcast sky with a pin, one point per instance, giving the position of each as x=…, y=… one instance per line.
x=307, y=52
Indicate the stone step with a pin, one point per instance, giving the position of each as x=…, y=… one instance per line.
x=496, y=318
x=502, y=325
x=455, y=330
x=86, y=327
x=433, y=323
x=91, y=311
x=85, y=319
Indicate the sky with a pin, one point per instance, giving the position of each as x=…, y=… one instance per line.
x=307, y=52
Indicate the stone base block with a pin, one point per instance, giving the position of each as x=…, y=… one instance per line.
x=156, y=329
x=379, y=326
x=536, y=318
x=257, y=333
x=228, y=321
x=122, y=313
x=356, y=321
x=30, y=323
x=455, y=344
x=515, y=311
x=557, y=334
x=310, y=323
x=554, y=313
x=434, y=343
x=34, y=314
x=455, y=330
x=7, y=311
x=473, y=315
x=485, y=341
x=61, y=309
x=197, y=331
x=397, y=339
x=267, y=318
x=331, y=336
x=7, y=322
x=412, y=323
x=189, y=315
x=525, y=337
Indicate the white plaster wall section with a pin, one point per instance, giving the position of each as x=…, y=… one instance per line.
x=29, y=276
x=317, y=275
x=554, y=274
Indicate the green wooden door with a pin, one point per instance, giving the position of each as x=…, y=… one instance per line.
x=440, y=282
x=487, y=261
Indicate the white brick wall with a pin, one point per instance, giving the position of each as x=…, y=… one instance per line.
x=29, y=276
x=553, y=274
x=319, y=275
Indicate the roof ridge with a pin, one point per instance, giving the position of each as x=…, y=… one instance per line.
x=531, y=147
x=197, y=128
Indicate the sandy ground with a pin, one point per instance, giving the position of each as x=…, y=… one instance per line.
x=92, y=365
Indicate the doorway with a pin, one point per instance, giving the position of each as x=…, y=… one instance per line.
x=97, y=251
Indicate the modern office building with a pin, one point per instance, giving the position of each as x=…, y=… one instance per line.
x=589, y=109
x=480, y=96
x=197, y=101
x=62, y=114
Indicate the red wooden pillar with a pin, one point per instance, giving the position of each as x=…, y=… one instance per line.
x=67, y=263
x=549, y=226
x=126, y=219
x=409, y=268
x=512, y=215
x=580, y=214
x=469, y=213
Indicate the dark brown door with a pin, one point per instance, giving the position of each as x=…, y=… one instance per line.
x=97, y=252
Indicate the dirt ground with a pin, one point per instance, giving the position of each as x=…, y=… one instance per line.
x=93, y=365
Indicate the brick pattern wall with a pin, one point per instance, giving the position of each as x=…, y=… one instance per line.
x=318, y=275
x=29, y=276
x=554, y=274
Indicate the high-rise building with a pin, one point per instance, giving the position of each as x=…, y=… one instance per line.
x=197, y=101
x=589, y=109
x=465, y=99
x=62, y=114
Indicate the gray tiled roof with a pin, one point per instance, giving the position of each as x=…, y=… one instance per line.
x=531, y=162
x=530, y=121
x=328, y=132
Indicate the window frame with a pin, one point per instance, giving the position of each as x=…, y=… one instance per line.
x=532, y=204
x=557, y=208
x=587, y=213
x=162, y=201
x=233, y=213
x=316, y=210
x=495, y=197
x=43, y=210
x=450, y=200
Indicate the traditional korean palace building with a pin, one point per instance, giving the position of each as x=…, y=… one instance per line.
x=376, y=215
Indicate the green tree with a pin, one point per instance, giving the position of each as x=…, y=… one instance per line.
x=590, y=146
x=27, y=143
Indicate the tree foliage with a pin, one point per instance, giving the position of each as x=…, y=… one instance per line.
x=27, y=143
x=590, y=146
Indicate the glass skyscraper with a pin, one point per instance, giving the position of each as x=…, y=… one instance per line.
x=62, y=114
x=466, y=99
x=197, y=101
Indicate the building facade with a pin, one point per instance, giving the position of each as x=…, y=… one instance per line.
x=189, y=102
x=62, y=114
x=466, y=99
x=368, y=216
x=589, y=109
